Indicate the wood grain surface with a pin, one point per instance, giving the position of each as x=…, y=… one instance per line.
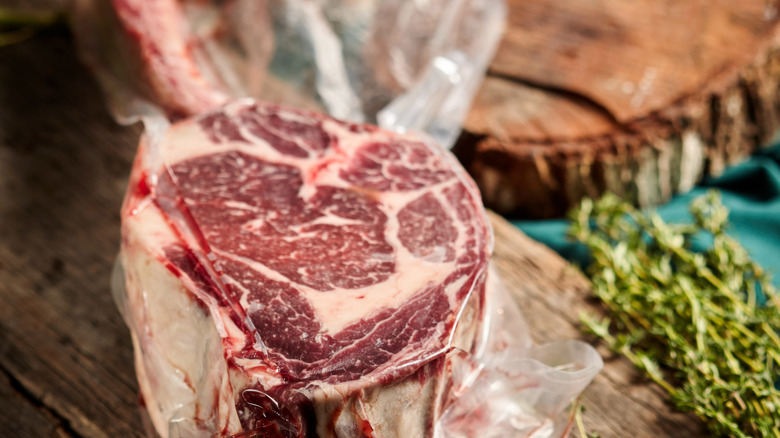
x=66, y=366
x=641, y=98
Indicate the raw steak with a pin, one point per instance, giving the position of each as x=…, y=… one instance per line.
x=294, y=275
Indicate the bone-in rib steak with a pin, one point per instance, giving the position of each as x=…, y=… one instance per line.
x=295, y=275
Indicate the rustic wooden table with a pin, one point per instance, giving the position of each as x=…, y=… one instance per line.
x=66, y=364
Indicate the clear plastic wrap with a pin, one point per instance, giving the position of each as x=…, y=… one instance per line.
x=512, y=387
x=407, y=66
x=194, y=233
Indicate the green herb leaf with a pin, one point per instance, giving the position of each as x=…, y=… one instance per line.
x=700, y=324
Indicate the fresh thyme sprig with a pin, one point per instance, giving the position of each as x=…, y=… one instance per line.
x=700, y=324
x=578, y=409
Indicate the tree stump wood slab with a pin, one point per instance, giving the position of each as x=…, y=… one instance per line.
x=66, y=364
x=640, y=98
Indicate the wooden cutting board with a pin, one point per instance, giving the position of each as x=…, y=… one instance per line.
x=66, y=366
x=641, y=98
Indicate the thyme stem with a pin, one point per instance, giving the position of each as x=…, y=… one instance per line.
x=702, y=325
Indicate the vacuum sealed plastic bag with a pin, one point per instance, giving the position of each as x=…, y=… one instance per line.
x=286, y=273
x=302, y=274
x=406, y=65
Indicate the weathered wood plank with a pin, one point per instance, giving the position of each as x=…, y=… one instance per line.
x=20, y=416
x=63, y=165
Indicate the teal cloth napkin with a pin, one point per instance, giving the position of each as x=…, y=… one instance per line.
x=750, y=190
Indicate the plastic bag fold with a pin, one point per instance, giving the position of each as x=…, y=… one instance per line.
x=404, y=65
